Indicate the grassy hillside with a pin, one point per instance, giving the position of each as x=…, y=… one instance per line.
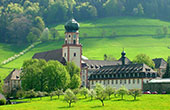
x=122, y=26
x=95, y=48
x=146, y=102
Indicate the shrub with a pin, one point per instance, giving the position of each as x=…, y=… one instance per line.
x=2, y=101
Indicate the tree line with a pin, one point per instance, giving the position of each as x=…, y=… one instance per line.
x=40, y=75
x=71, y=96
x=20, y=17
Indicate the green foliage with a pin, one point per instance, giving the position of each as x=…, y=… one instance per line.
x=40, y=94
x=31, y=38
x=56, y=75
x=74, y=72
x=110, y=91
x=122, y=91
x=36, y=31
x=143, y=58
x=100, y=93
x=109, y=57
x=1, y=85
x=165, y=30
x=32, y=75
x=84, y=91
x=59, y=92
x=92, y=93
x=76, y=91
x=167, y=73
x=44, y=76
x=54, y=33
x=51, y=94
x=20, y=94
x=31, y=94
x=2, y=101
x=39, y=23
x=70, y=97
x=45, y=35
x=140, y=9
x=135, y=93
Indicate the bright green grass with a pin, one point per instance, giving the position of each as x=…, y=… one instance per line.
x=120, y=25
x=146, y=102
x=96, y=48
x=8, y=50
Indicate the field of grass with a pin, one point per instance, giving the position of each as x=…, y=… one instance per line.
x=95, y=48
x=146, y=102
x=120, y=25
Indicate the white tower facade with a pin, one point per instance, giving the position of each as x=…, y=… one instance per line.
x=72, y=49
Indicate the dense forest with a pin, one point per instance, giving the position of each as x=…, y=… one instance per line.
x=24, y=21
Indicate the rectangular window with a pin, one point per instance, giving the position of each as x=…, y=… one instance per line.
x=112, y=81
x=64, y=54
x=108, y=81
x=120, y=81
x=129, y=81
x=138, y=81
x=125, y=81
x=92, y=82
x=116, y=81
x=104, y=82
x=133, y=81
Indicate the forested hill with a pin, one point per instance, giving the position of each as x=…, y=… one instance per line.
x=23, y=21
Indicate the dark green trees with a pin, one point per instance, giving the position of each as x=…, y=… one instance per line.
x=44, y=76
x=74, y=72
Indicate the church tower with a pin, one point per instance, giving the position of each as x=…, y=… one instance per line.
x=72, y=49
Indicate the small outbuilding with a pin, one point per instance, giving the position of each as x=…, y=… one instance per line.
x=159, y=85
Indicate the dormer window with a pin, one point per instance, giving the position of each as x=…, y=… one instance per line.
x=148, y=69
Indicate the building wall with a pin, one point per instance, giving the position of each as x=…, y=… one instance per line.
x=11, y=85
x=68, y=54
x=117, y=83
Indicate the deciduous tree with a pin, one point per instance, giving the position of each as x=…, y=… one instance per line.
x=135, y=93
x=100, y=93
x=143, y=58
x=70, y=97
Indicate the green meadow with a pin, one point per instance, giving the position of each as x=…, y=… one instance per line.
x=120, y=25
x=146, y=102
x=135, y=35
